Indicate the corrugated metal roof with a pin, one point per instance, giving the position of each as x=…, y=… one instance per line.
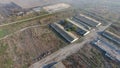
x=111, y=51
x=89, y=21
x=111, y=36
x=59, y=65
x=81, y=23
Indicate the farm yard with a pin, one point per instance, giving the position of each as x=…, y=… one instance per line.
x=38, y=34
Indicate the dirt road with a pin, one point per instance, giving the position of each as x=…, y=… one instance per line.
x=21, y=31
x=24, y=20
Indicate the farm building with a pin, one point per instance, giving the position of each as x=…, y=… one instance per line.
x=95, y=21
x=81, y=30
x=37, y=9
x=89, y=21
x=111, y=36
x=67, y=35
x=110, y=51
x=56, y=7
x=20, y=13
x=58, y=65
x=81, y=23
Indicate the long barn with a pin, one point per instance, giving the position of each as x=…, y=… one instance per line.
x=111, y=51
x=111, y=36
x=67, y=35
x=87, y=20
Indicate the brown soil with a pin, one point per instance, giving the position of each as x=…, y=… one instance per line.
x=89, y=57
x=30, y=45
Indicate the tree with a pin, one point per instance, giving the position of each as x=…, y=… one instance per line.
x=73, y=28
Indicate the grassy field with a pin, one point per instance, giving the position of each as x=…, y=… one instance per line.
x=31, y=45
x=14, y=18
x=5, y=59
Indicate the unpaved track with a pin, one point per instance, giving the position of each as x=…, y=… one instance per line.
x=68, y=50
x=24, y=20
x=21, y=31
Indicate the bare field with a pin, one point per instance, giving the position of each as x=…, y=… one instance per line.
x=29, y=46
x=89, y=57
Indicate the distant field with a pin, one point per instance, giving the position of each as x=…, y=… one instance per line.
x=30, y=3
x=80, y=3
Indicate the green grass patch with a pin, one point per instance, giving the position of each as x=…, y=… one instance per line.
x=8, y=63
x=2, y=33
x=5, y=60
x=3, y=48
